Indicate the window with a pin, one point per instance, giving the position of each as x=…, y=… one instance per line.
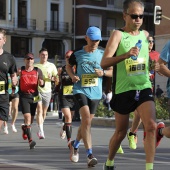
x=3, y=9
x=20, y=46
x=54, y=17
x=111, y=25
x=95, y=20
x=110, y=2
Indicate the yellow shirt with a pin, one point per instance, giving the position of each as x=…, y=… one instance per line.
x=47, y=69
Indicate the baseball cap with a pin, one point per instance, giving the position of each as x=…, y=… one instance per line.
x=94, y=33
x=29, y=55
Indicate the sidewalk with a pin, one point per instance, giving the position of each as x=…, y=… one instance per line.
x=108, y=122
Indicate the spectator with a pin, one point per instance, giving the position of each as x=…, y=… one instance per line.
x=159, y=91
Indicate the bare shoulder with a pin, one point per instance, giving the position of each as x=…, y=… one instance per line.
x=146, y=33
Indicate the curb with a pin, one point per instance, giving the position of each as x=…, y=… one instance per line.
x=110, y=122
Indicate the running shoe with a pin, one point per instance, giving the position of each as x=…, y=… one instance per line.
x=13, y=128
x=32, y=144
x=6, y=130
x=160, y=125
x=24, y=135
x=132, y=141
x=120, y=150
x=91, y=161
x=40, y=135
x=74, y=155
x=62, y=132
x=108, y=167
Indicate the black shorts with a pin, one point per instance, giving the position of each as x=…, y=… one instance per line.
x=83, y=100
x=11, y=97
x=4, y=107
x=27, y=105
x=125, y=103
x=67, y=102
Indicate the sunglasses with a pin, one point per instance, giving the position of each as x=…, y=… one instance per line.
x=29, y=59
x=134, y=16
x=151, y=41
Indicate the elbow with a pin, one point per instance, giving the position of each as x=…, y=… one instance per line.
x=103, y=66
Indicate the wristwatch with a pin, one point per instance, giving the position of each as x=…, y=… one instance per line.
x=104, y=72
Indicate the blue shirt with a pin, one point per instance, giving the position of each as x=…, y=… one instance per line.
x=85, y=64
x=165, y=55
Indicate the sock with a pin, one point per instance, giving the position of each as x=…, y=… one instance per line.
x=109, y=162
x=149, y=166
x=160, y=131
x=28, y=132
x=41, y=128
x=130, y=134
x=68, y=129
x=89, y=151
x=76, y=144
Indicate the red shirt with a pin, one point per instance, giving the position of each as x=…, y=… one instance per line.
x=29, y=81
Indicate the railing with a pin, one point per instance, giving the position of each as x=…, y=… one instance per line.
x=56, y=26
x=26, y=23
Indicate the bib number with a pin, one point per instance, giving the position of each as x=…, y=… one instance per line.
x=37, y=99
x=67, y=90
x=89, y=80
x=2, y=87
x=135, y=67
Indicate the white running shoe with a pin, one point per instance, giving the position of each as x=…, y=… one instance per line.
x=40, y=135
x=6, y=130
x=62, y=132
x=14, y=128
x=74, y=155
x=91, y=161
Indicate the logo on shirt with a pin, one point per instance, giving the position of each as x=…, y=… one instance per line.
x=5, y=63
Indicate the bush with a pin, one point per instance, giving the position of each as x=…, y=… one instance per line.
x=102, y=111
x=161, y=109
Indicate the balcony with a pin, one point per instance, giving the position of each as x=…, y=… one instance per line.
x=24, y=23
x=56, y=26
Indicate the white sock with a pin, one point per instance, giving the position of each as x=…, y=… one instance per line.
x=41, y=128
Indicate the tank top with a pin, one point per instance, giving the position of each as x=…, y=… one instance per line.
x=132, y=74
x=28, y=81
x=66, y=87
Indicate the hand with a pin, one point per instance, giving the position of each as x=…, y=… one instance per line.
x=14, y=80
x=134, y=51
x=157, y=66
x=56, y=79
x=75, y=79
x=49, y=75
x=98, y=72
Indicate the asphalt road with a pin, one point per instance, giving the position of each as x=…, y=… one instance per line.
x=52, y=152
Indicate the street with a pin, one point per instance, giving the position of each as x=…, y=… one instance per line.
x=52, y=152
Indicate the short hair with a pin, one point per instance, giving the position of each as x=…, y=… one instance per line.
x=2, y=31
x=126, y=4
x=43, y=49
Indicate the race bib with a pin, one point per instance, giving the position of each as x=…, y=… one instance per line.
x=89, y=80
x=67, y=90
x=37, y=99
x=135, y=67
x=2, y=87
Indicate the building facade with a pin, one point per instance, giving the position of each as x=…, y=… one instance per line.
x=31, y=25
x=105, y=14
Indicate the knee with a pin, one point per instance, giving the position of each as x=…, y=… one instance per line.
x=150, y=126
x=87, y=121
x=121, y=134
